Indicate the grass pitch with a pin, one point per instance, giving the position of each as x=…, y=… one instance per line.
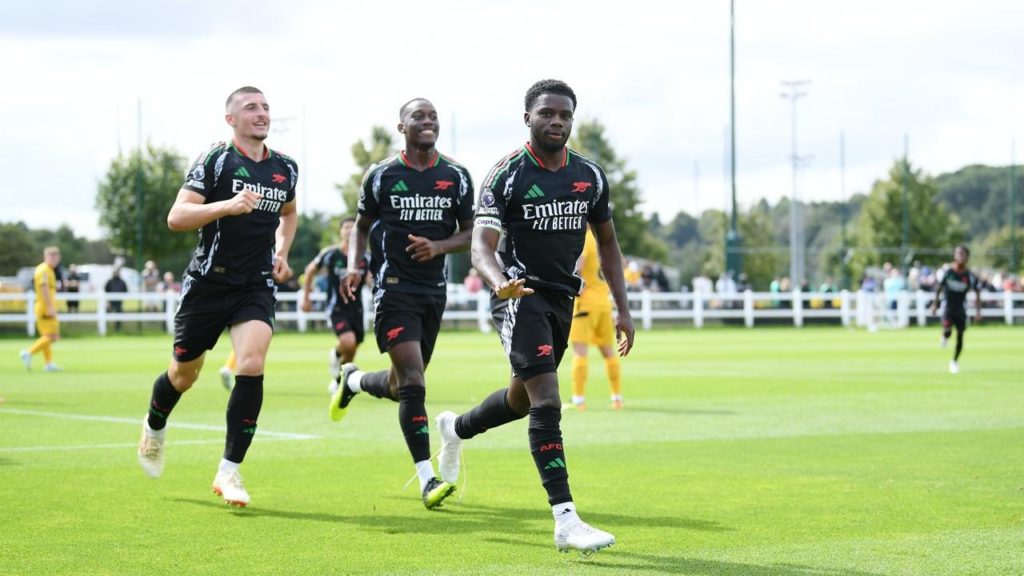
x=818, y=451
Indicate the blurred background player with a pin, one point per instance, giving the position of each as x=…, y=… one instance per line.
x=593, y=324
x=227, y=371
x=346, y=318
x=420, y=207
x=44, y=280
x=955, y=284
x=241, y=198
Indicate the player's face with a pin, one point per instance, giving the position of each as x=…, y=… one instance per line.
x=52, y=259
x=345, y=232
x=419, y=125
x=550, y=121
x=960, y=256
x=249, y=115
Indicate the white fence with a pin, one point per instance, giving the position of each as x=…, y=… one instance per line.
x=863, y=309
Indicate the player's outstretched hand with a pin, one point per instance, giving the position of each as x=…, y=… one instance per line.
x=282, y=271
x=512, y=289
x=624, y=333
x=422, y=249
x=349, y=285
x=244, y=202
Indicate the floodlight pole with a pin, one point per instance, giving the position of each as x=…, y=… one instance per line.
x=733, y=255
x=1014, y=262
x=796, y=243
x=905, y=243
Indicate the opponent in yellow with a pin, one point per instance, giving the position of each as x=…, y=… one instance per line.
x=592, y=324
x=47, y=326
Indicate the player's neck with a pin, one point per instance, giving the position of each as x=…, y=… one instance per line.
x=420, y=158
x=548, y=160
x=959, y=266
x=252, y=148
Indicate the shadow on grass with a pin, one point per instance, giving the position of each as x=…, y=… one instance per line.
x=460, y=518
x=615, y=560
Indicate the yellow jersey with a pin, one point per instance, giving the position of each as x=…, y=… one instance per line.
x=595, y=290
x=44, y=278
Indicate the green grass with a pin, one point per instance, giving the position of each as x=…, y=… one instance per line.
x=787, y=452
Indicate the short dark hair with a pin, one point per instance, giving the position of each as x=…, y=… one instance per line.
x=401, y=111
x=242, y=90
x=345, y=219
x=549, y=87
x=965, y=248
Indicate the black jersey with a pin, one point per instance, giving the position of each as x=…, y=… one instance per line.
x=406, y=201
x=335, y=261
x=240, y=249
x=543, y=215
x=956, y=285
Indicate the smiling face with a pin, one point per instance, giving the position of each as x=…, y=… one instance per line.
x=419, y=125
x=550, y=121
x=960, y=256
x=249, y=115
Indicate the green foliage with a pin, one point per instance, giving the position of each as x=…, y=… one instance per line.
x=160, y=172
x=632, y=228
x=933, y=229
x=381, y=146
x=996, y=250
x=23, y=246
x=980, y=196
x=19, y=249
x=315, y=231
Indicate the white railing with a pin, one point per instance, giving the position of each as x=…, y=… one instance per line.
x=871, y=310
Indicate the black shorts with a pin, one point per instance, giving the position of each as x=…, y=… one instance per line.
x=207, y=308
x=407, y=316
x=955, y=319
x=534, y=330
x=347, y=320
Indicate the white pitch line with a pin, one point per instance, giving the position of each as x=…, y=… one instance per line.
x=122, y=446
x=135, y=422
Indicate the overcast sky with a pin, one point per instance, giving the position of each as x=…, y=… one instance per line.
x=73, y=74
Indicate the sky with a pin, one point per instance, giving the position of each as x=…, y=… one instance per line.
x=83, y=81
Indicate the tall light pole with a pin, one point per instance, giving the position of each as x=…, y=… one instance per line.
x=796, y=232
x=733, y=256
x=1014, y=262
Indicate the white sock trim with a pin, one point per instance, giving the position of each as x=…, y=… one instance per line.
x=424, y=471
x=227, y=466
x=355, y=381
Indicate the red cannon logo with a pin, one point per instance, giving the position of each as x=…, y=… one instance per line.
x=443, y=184
x=277, y=178
x=581, y=187
x=394, y=332
x=544, y=350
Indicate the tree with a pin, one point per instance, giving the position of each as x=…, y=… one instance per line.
x=160, y=172
x=996, y=250
x=19, y=249
x=933, y=229
x=633, y=230
x=381, y=147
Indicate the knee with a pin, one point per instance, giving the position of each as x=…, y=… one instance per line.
x=181, y=379
x=250, y=365
x=53, y=337
x=412, y=378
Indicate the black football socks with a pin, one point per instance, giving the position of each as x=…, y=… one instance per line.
x=163, y=400
x=491, y=413
x=243, y=410
x=548, y=455
x=412, y=416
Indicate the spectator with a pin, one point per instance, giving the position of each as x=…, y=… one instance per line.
x=473, y=282
x=115, y=285
x=151, y=284
x=71, y=284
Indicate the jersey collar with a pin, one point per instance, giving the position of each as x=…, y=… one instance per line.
x=536, y=159
x=266, y=151
x=405, y=160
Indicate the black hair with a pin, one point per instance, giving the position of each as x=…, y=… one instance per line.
x=965, y=248
x=345, y=219
x=242, y=90
x=549, y=87
x=401, y=111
